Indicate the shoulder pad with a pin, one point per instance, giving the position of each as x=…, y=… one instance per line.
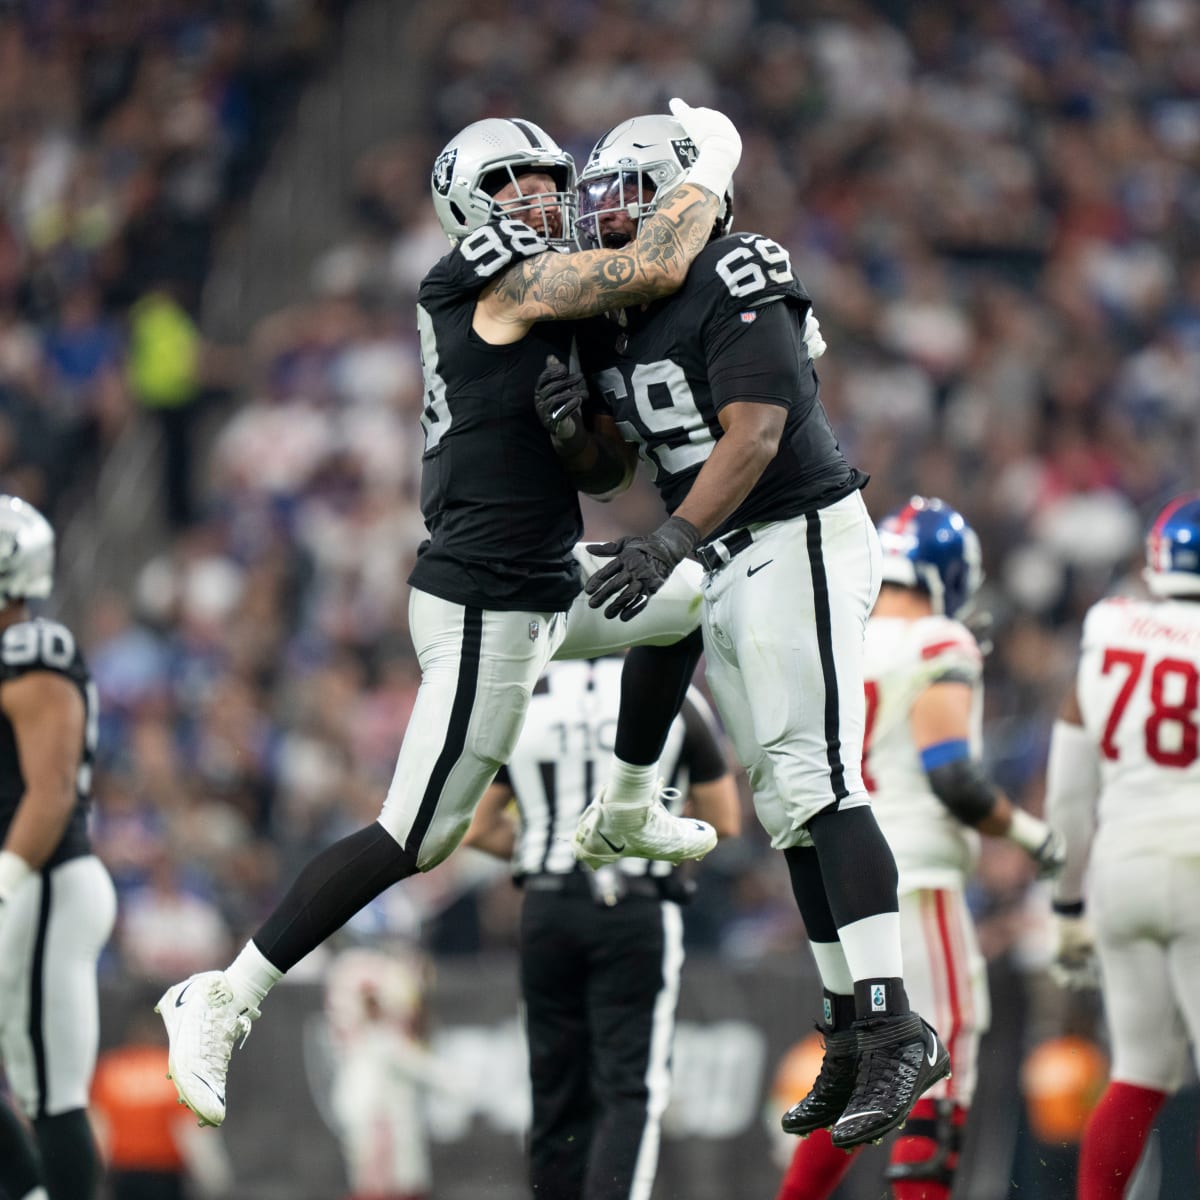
x=947, y=646
x=480, y=256
x=1102, y=617
x=743, y=271
x=36, y=646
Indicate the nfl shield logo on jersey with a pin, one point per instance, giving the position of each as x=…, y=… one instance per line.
x=748, y=318
x=534, y=629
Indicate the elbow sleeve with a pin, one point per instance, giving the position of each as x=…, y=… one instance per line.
x=964, y=789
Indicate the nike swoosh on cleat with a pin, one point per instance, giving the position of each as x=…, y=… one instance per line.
x=611, y=845
x=870, y=1112
x=932, y=1056
x=755, y=570
x=179, y=998
x=209, y=1086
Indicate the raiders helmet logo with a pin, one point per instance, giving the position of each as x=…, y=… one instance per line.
x=685, y=150
x=443, y=172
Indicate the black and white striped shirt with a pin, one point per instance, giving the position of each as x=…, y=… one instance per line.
x=565, y=749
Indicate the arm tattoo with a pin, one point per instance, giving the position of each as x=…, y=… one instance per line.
x=563, y=286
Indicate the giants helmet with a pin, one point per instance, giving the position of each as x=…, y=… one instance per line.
x=26, y=551
x=928, y=545
x=632, y=167
x=484, y=157
x=1173, y=549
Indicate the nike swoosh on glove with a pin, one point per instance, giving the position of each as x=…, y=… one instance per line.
x=558, y=397
x=640, y=566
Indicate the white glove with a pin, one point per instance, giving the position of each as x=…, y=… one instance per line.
x=718, y=145
x=813, y=340
x=1045, y=846
x=1075, y=965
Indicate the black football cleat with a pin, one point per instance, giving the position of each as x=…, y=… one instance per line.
x=899, y=1058
x=831, y=1091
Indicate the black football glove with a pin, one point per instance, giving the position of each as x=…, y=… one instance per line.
x=558, y=397
x=640, y=566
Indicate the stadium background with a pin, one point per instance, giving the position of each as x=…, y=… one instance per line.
x=215, y=215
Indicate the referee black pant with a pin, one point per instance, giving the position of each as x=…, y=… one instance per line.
x=600, y=987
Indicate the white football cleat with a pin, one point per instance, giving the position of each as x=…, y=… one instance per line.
x=203, y=1024
x=653, y=832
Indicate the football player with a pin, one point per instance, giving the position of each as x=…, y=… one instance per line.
x=496, y=588
x=716, y=386
x=1122, y=785
x=601, y=952
x=924, y=696
x=57, y=902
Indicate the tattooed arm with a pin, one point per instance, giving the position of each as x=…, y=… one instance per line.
x=554, y=286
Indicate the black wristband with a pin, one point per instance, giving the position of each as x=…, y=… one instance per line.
x=1063, y=908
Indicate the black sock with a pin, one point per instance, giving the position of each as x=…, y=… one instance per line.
x=880, y=998
x=69, y=1159
x=808, y=886
x=20, y=1171
x=654, y=682
x=857, y=865
x=340, y=881
x=838, y=1011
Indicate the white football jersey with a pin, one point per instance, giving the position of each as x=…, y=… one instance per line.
x=904, y=657
x=1139, y=691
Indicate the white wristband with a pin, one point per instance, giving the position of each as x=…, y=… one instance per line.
x=712, y=170
x=1027, y=831
x=14, y=870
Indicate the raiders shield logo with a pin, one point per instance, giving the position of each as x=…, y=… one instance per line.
x=534, y=629
x=685, y=150
x=443, y=172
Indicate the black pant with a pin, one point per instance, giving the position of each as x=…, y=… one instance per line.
x=599, y=1037
x=146, y=1185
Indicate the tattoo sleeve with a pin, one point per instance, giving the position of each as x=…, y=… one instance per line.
x=563, y=286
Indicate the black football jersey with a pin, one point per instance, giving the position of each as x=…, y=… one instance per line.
x=501, y=511
x=666, y=371
x=41, y=645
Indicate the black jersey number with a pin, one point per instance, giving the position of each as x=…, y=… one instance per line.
x=492, y=247
x=435, y=415
x=747, y=269
x=670, y=431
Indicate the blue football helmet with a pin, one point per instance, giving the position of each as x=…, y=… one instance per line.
x=928, y=545
x=1173, y=549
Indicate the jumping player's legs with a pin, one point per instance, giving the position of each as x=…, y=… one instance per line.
x=478, y=670
x=797, y=667
x=666, y=647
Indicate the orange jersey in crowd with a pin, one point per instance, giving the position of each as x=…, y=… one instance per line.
x=137, y=1100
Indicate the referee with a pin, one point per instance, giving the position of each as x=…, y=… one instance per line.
x=600, y=951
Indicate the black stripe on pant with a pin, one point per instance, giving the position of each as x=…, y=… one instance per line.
x=590, y=977
x=456, y=731
x=37, y=997
x=824, y=623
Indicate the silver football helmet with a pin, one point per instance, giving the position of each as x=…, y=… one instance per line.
x=632, y=167
x=26, y=551
x=486, y=156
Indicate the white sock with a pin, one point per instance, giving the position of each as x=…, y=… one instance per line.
x=629, y=786
x=872, y=947
x=833, y=968
x=251, y=976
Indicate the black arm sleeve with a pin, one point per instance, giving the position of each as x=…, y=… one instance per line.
x=701, y=748
x=757, y=360
x=964, y=789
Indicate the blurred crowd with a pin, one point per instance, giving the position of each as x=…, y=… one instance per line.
x=993, y=206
